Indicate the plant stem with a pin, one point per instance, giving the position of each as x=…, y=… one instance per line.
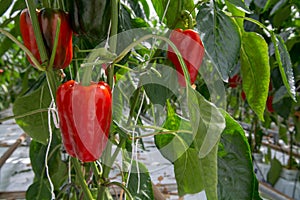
x=82, y=181
x=113, y=39
x=113, y=48
x=290, y=164
x=169, y=42
x=52, y=57
x=122, y=187
x=52, y=83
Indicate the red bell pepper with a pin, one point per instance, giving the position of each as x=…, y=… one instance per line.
x=191, y=49
x=48, y=19
x=235, y=81
x=85, y=116
x=270, y=104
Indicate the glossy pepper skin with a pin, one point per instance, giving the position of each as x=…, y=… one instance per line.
x=85, y=116
x=90, y=18
x=48, y=19
x=191, y=48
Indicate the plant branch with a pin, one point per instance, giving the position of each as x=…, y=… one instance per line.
x=82, y=181
x=122, y=187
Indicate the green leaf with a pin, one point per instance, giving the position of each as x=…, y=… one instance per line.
x=18, y=5
x=172, y=146
x=57, y=168
x=221, y=38
x=174, y=12
x=5, y=4
x=278, y=6
x=146, y=8
x=255, y=70
x=283, y=133
x=196, y=169
x=206, y=120
x=36, y=99
x=194, y=174
x=236, y=11
x=39, y=190
x=236, y=179
x=274, y=172
x=283, y=107
x=188, y=173
x=194, y=155
x=158, y=7
x=159, y=85
x=140, y=185
x=282, y=16
x=239, y=5
x=297, y=130
x=285, y=66
x=7, y=43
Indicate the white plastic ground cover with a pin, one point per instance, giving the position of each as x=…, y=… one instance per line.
x=16, y=173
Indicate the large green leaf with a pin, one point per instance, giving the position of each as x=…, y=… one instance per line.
x=255, y=70
x=37, y=100
x=172, y=146
x=194, y=174
x=194, y=155
x=188, y=173
x=139, y=184
x=285, y=66
x=221, y=38
x=236, y=179
x=39, y=190
x=196, y=169
x=206, y=120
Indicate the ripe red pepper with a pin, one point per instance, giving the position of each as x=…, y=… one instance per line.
x=48, y=19
x=85, y=116
x=191, y=48
x=235, y=81
x=243, y=95
x=269, y=104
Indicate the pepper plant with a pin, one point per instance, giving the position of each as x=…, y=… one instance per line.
x=125, y=76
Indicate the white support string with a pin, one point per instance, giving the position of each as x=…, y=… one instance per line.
x=51, y=111
x=48, y=150
x=100, y=166
x=135, y=148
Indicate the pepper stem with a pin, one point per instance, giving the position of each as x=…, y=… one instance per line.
x=190, y=19
x=50, y=66
x=37, y=31
x=82, y=182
